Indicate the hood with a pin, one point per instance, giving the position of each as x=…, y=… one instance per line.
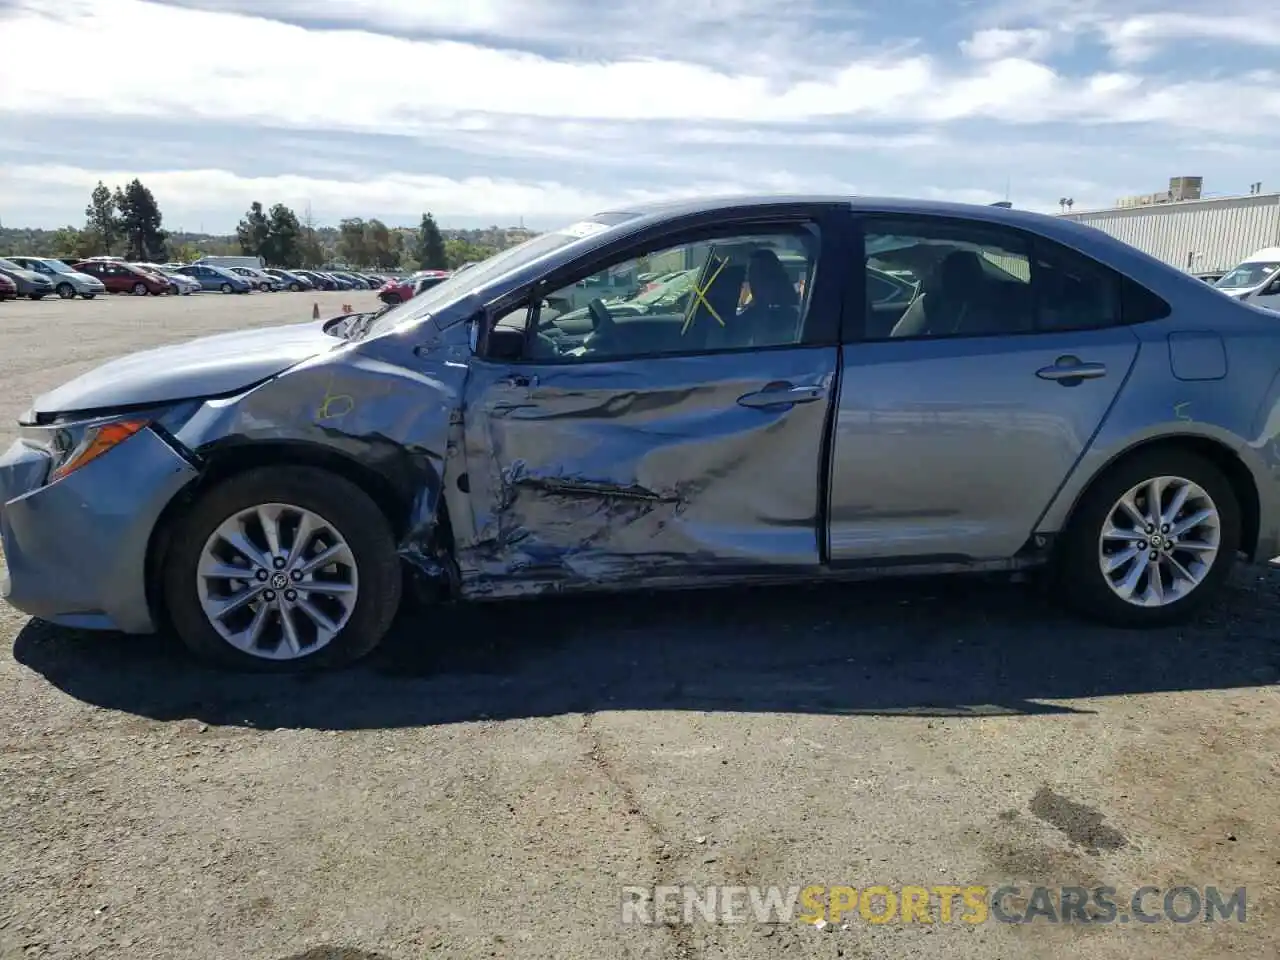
x=205, y=367
x=79, y=277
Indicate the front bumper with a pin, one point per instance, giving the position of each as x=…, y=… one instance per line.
x=76, y=549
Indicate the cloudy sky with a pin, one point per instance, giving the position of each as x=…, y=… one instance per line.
x=488, y=111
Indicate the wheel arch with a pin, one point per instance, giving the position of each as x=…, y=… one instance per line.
x=1216, y=452
x=395, y=498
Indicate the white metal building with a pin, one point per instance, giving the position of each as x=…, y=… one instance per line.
x=1199, y=236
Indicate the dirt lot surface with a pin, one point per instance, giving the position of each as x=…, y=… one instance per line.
x=488, y=784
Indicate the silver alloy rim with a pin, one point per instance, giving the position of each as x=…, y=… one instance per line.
x=1159, y=541
x=277, y=581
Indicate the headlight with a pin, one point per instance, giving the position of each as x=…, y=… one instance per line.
x=73, y=445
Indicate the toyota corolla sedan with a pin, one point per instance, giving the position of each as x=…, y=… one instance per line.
x=1046, y=397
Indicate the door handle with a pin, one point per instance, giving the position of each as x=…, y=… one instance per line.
x=777, y=395
x=1069, y=371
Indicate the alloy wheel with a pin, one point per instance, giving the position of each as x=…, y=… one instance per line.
x=1160, y=541
x=277, y=581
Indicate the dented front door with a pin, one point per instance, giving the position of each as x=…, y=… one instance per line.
x=646, y=471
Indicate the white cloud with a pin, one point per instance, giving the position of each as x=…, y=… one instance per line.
x=268, y=73
x=1137, y=38
x=997, y=43
x=187, y=196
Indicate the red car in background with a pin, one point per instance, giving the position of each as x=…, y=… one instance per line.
x=120, y=277
x=398, y=291
x=8, y=289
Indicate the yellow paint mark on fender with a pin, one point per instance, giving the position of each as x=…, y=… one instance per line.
x=334, y=406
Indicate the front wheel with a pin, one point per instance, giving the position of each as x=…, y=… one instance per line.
x=87, y=296
x=35, y=296
x=295, y=287
x=66, y=291
x=264, y=287
x=1152, y=541
x=282, y=568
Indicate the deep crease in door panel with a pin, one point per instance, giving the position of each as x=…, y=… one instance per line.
x=649, y=484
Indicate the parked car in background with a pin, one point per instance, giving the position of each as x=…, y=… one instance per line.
x=339, y=281
x=212, y=277
x=318, y=280
x=253, y=263
x=357, y=282
x=120, y=277
x=35, y=286
x=8, y=289
x=261, y=280
x=1255, y=280
x=291, y=279
x=67, y=283
x=179, y=283
x=397, y=291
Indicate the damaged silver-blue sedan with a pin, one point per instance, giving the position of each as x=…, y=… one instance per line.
x=736, y=391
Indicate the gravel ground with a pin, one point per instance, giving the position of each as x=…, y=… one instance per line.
x=488, y=784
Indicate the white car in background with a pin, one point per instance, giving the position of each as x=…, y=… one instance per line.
x=179, y=283
x=67, y=283
x=260, y=279
x=1256, y=280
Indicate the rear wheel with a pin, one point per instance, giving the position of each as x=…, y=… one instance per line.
x=282, y=568
x=1152, y=541
x=35, y=296
x=66, y=291
x=295, y=287
x=87, y=296
x=225, y=288
x=139, y=289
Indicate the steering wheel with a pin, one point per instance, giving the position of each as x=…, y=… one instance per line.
x=601, y=319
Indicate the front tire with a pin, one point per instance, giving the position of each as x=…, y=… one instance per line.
x=321, y=580
x=264, y=287
x=66, y=291
x=87, y=296
x=295, y=287
x=1124, y=563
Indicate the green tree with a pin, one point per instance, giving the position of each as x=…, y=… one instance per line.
x=140, y=221
x=430, y=246
x=459, y=251
x=352, y=246
x=382, y=245
x=186, y=253
x=283, y=246
x=253, y=231
x=101, y=216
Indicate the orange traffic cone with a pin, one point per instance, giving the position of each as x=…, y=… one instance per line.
x=346, y=308
x=315, y=312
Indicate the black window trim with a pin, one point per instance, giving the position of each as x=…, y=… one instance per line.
x=855, y=298
x=823, y=316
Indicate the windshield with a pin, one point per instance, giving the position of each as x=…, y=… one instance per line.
x=1249, y=274
x=486, y=271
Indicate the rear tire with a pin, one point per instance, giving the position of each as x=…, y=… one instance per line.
x=35, y=296
x=139, y=289
x=295, y=288
x=1188, y=574
x=344, y=509
x=87, y=296
x=225, y=288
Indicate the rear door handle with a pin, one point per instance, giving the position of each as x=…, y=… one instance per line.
x=781, y=394
x=1069, y=371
